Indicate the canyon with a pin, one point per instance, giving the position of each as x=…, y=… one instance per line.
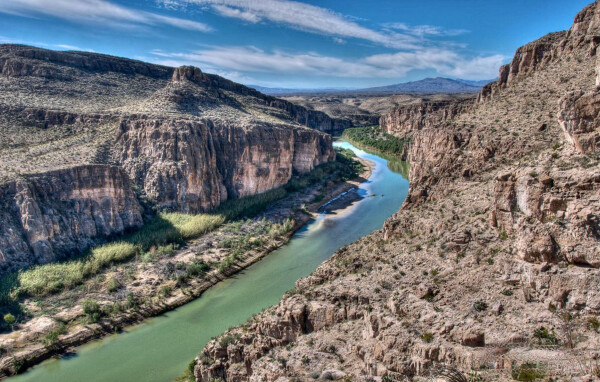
x=92, y=143
x=490, y=268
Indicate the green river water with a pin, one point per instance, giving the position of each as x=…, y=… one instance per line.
x=160, y=349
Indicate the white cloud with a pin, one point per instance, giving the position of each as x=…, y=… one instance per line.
x=304, y=17
x=426, y=30
x=227, y=11
x=395, y=65
x=73, y=47
x=95, y=12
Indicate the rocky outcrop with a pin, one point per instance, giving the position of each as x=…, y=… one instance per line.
x=194, y=166
x=578, y=115
x=314, y=119
x=49, y=216
x=409, y=118
x=553, y=218
x=526, y=60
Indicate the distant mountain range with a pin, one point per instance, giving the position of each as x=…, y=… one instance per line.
x=427, y=85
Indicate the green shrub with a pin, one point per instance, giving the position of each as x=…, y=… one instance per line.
x=92, y=310
x=480, y=306
x=229, y=339
x=52, y=336
x=545, y=337
x=191, y=226
x=9, y=319
x=427, y=337
x=527, y=372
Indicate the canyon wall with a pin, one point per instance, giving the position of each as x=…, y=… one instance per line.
x=50, y=216
x=404, y=119
x=194, y=166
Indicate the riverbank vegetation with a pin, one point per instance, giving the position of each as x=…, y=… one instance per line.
x=373, y=137
x=161, y=237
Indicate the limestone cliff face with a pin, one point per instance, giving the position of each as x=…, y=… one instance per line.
x=526, y=60
x=194, y=166
x=404, y=119
x=579, y=118
x=49, y=216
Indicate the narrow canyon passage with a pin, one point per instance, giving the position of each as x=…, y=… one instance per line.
x=160, y=349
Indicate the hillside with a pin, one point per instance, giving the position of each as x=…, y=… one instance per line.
x=490, y=269
x=91, y=143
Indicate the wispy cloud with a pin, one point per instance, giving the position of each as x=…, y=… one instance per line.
x=73, y=47
x=426, y=30
x=395, y=65
x=98, y=12
x=305, y=17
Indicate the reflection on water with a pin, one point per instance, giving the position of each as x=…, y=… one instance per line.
x=161, y=348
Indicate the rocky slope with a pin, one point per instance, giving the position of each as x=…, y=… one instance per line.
x=413, y=117
x=490, y=267
x=85, y=137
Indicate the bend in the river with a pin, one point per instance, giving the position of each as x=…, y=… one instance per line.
x=159, y=349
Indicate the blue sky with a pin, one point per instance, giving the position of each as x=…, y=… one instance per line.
x=306, y=44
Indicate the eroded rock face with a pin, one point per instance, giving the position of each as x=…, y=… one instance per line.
x=578, y=115
x=46, y=217
x=526, y=60
x=409, y=118
x=553, y=219
x=194, y=166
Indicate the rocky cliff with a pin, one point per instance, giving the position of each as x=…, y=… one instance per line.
x=83, y=135
x=491, y=264
x=47, y=216
x=404, y=119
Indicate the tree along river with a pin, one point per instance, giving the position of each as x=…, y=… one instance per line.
x=160, y=349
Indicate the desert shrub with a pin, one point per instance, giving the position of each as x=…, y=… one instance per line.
x=545, y=337
x=9, y=319
x=92, y=310
x=166, y=290
x=52, y=336
x=229, y=339
x=427, y=337
x=527, y=372
x=197, y=268
x=480, y=306
x=594, y=323
x=112, y=285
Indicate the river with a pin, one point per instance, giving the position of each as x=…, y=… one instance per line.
x=160, y=349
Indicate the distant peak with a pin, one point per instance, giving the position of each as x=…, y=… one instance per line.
x=187, y=73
